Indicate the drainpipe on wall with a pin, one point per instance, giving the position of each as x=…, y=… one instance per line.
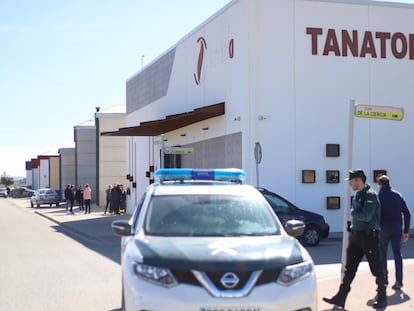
x=60, y=174
x=97, y=155
x=75, y=138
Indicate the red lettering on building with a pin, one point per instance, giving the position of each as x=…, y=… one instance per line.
x=399, y=36
x=348, y=43
x=203, y=46
x=314, y=32
x=331, y=43
x=373, y=44
x=368, y=46
x=383, y=36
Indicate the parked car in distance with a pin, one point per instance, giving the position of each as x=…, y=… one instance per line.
x=316, y=227
x=21, y=192
x=3, y=192
x=45, y=196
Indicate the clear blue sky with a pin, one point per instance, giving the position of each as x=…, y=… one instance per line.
x=62, y=58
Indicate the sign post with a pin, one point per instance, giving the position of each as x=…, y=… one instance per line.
x=258, y=158
x=362, y=111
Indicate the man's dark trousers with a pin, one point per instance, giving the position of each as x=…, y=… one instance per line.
x=364, y=242
x=392, y=233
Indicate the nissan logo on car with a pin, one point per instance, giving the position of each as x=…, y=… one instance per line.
x=229, y=280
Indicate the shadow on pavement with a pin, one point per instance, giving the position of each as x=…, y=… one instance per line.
x=107, y=245
x=398, y=297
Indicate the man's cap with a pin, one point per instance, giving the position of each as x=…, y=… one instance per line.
x=356, y=174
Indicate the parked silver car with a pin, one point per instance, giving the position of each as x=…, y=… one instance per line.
x=3, y=192
x=45, y=196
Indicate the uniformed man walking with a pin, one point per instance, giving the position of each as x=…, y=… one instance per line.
x=364, y=240
x=393, y=207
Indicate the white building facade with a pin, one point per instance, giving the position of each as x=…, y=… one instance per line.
x=280, y=75
x=111, y=151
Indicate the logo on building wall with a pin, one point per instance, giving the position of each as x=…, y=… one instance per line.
x=203, y=46
x=231, y=48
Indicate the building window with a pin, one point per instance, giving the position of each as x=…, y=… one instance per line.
x=377, y=174
x=332, y=177
x=333, y=202
x=308, y=176
x=332, y=150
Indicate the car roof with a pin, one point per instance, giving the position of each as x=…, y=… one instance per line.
x=202, y=187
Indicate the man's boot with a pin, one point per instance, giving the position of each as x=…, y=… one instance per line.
x=339, y=298
x=381, y=299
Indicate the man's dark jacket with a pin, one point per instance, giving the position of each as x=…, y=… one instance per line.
x=392, y=208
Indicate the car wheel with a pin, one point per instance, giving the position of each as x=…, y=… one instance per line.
x=37, y=204
x=31, y=204
x=311, y=236
x=57, y=204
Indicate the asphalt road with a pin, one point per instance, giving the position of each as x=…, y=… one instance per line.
x=43, y=267
x=53, y=261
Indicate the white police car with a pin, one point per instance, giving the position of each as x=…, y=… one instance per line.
x=200, y=240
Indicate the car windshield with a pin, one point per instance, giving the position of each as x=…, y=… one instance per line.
x=208, y=215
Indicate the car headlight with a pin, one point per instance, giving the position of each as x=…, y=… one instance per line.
x=294, y=273
x=160, y=276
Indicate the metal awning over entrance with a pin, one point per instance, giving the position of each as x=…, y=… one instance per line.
x=170, y=123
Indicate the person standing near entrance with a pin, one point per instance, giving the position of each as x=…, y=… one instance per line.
x=70, y=198
x=87, y=196
x=364, y=240
x=108, y=199
x=393, y=207
x=116, y=195
x=79, y=198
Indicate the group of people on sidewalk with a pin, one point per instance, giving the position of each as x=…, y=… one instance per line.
x=115, y=199
x=82, y=195
x=377, y=220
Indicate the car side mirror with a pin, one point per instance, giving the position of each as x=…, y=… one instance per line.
x=295, y=227
x=121, y=227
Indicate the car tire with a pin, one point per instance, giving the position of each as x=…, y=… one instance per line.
x=57, y=204
x=37, y=204
x=311, y=236
x=31, y=204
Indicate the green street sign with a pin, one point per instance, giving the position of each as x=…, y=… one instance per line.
x=179, y=150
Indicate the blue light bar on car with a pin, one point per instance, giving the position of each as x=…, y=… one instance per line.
x=228, y=174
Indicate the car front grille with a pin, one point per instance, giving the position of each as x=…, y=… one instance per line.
x=187, y=277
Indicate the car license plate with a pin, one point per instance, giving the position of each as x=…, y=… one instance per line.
x=231, y=309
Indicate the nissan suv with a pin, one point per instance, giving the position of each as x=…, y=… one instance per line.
x=201, y=240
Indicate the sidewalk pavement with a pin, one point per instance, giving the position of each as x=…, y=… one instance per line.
x=97, y=227
x=363, y=288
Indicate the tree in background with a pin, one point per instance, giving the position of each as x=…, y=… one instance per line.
x=6, y=180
